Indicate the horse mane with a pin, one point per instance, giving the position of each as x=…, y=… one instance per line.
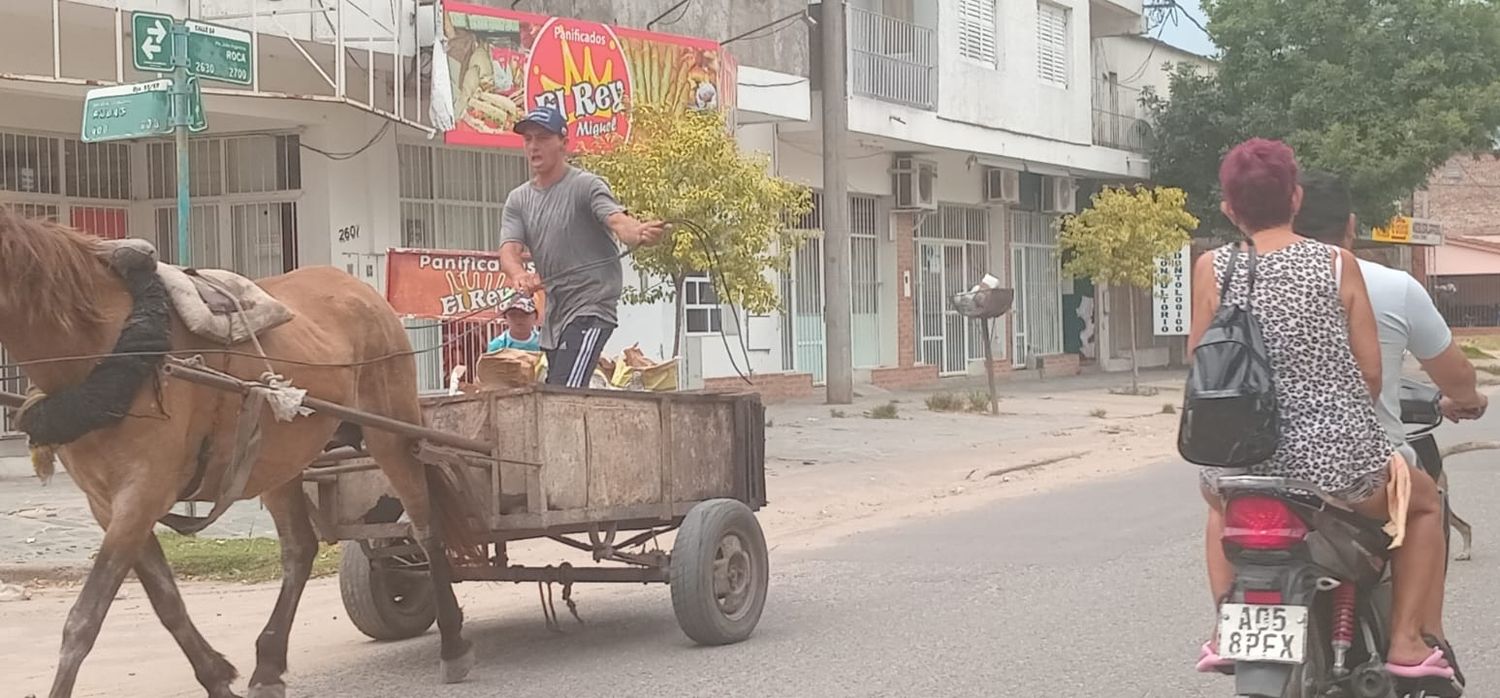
x=49, y=272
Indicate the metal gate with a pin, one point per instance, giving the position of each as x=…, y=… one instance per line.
x=952, y=254
x=1038, y=283
x=11, y=381
x=804, y=347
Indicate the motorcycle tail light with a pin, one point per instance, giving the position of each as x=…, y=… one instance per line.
x=1262, y=523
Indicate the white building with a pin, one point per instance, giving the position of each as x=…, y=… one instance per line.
x=972, y=125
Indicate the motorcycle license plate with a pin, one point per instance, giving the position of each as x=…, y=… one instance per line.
x=1256, y=633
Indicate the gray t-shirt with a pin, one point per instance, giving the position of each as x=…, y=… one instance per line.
x=1407, y=321
x=563, y=226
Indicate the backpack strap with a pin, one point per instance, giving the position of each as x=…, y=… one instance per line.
x=1230, y=268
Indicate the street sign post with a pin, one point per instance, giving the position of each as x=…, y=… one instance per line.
x=182, y=91
x=188, y=50
x=127, y=111
x=151, y=38
x=220, y=53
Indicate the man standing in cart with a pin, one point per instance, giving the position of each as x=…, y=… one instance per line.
x=571, y=222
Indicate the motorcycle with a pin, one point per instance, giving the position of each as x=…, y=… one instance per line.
x=1310, y=610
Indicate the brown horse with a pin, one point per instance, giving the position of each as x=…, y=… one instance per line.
x=59, y=298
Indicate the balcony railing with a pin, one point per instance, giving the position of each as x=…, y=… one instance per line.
x=1119, y=119
x=892, y=60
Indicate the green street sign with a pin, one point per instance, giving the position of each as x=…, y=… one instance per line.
x=219, y=53
x=151, y=37
x=128, y=111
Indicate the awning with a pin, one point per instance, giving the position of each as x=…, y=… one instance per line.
x=1469, y=256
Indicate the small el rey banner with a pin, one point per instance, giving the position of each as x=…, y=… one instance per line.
x=448, y=284
x=492, y=66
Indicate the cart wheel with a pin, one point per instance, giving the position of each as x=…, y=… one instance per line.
x=384, y=604
x=719, y=572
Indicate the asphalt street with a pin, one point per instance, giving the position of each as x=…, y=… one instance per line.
x=1093, y=590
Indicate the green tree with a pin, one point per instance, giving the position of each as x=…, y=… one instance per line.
x=1119, y=239
x=730, y=213
x=1379, y=91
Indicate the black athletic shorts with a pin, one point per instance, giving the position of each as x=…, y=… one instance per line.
x=572, y=363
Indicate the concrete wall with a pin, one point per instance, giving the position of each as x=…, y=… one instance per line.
x=1141, y=62
x=1011, y=97
x=784, y=48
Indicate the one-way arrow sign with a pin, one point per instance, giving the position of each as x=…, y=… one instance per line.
x=153, y=46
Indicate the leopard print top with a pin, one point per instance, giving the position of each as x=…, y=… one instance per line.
x=1330, y=434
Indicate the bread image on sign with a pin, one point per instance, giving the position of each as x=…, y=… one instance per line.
x=491, y=113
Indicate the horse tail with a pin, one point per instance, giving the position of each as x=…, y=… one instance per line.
x=454, y=507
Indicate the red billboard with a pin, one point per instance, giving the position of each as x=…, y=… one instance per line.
x=501, y=64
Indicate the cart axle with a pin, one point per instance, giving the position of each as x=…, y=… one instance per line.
x=558, y=575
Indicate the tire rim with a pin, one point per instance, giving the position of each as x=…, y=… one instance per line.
x=733, y=577
x=404, y=592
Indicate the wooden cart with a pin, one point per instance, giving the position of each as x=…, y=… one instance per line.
x=604, y=472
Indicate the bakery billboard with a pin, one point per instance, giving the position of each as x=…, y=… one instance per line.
x=448, y=284
x=493, y=65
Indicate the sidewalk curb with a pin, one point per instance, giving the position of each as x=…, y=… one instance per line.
x=29, y=574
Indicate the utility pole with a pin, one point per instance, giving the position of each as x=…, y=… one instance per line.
x=837, y=309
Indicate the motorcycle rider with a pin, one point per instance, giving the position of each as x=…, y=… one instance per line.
x=1326, y=355
x=1405, y=315
x=1406, y=320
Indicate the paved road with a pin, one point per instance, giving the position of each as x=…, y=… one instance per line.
x=1095, y=590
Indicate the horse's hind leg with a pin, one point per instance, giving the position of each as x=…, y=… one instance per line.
x=299, y=547
x=212, y=669
x=408, y=477
x=129, y=527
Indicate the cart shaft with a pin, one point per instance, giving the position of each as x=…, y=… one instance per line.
x=360, y=417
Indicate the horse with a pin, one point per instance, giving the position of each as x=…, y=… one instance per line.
x=61, y=300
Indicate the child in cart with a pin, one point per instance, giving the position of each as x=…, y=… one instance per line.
x=520, y=327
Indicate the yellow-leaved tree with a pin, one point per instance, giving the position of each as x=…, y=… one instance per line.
x=1119, y=239
x=730, y=214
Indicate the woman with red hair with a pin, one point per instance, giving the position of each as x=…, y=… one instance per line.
x=1321, y=339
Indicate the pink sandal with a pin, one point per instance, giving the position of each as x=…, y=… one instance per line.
x=1209, y=661
x=1435, y=666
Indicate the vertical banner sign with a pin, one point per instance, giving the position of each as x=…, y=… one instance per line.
x=495, y=65
x=1173, y=294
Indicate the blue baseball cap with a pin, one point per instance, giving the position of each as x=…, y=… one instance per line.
x=545, y=117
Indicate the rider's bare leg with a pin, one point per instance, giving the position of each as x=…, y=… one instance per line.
x=1417, y=569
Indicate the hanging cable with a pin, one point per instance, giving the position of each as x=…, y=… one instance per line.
x=681, y=5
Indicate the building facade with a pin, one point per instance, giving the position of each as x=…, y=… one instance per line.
x=973, y=125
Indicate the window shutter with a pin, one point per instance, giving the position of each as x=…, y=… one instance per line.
x=1052, y=44
x=976, y=31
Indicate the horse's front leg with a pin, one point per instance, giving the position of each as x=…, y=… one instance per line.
x=299, y=548
x=129, y=526
x=212, y=669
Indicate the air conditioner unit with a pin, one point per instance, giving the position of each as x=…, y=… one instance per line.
x=1060, y=195
x=1002, y=186
x=912, y=181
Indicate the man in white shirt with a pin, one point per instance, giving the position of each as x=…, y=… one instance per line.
x=1406, y=320
x=1404, y=313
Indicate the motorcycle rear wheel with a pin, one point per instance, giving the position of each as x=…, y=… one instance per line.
x=1310, y=678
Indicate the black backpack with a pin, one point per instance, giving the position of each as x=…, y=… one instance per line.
x=1229, y=415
